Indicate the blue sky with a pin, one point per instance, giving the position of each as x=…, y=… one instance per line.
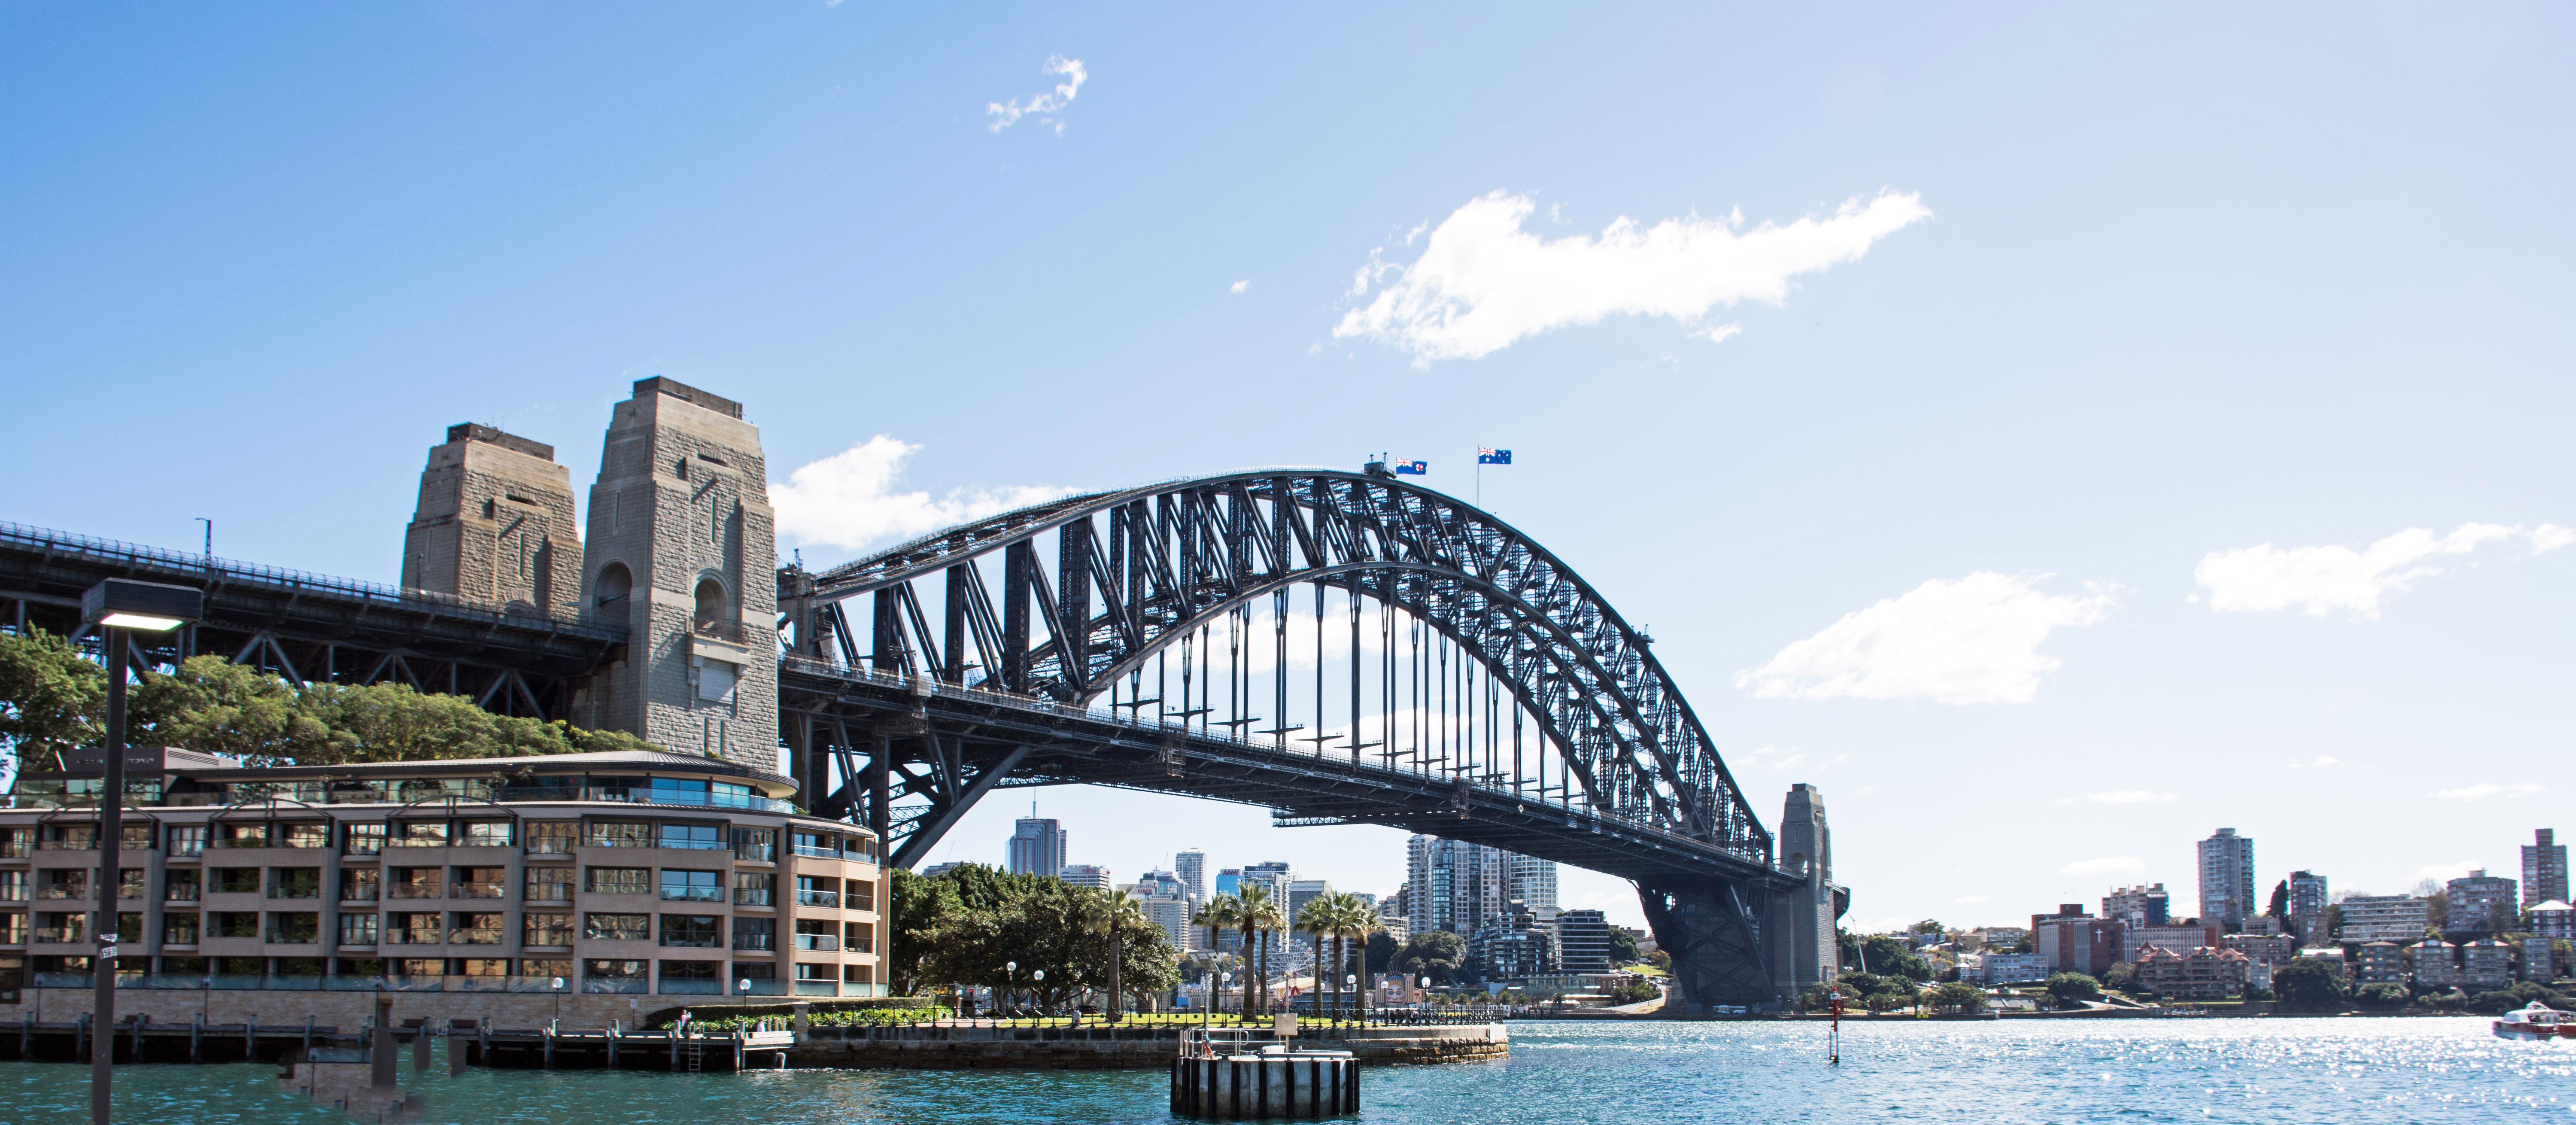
x=1953, y=512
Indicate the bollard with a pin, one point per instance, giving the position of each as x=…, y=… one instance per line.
x=250, y=1039
x=139, y=1020
x=420, y=1047
x=455, y=1052
x=382, y=1052
x=80, y=1037
x=549, y=1041
x=196, y=1037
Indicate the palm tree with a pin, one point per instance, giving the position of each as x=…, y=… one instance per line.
x=1224, y=912
x=1323, y=912
x=1112, y=914
x=1261, y=917
x=1362, y=923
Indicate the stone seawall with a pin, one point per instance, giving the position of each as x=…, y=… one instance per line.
x=1112, y=1048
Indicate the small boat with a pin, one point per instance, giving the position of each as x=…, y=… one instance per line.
x=2536, y=1021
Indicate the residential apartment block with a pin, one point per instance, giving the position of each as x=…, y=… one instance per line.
x=2399, y=918
x=2479, y=905
x=2227, y=879
x=2544, y=870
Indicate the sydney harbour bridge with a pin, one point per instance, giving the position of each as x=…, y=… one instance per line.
x=1337, y=647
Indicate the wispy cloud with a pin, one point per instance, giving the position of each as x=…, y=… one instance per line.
x=1484, y=283
x=1048, y=106
x=2322, y=762
x=1973, y=640
x=2107, y=865
x=1240, y=286
x=2323, y=580
x=1774, y=758
x=2129, y=797
x=2485, y=790
x=849, y=499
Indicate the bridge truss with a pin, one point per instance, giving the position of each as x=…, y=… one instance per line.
x=1337, y=647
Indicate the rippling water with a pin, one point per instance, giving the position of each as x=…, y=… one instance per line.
x=2212, y=1070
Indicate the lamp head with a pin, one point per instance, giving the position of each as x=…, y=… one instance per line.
x=123, y=603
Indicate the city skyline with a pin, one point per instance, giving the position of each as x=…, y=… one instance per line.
x=2078, y=422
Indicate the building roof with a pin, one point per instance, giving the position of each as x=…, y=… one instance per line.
x=2552, y=904
x=639, y=761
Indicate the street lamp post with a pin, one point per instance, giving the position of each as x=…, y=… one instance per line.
x=558, y=987
x=1036, y=988
x=1011, y=978
x=119, y=606
x=742, y=987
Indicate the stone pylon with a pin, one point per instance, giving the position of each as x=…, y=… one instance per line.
x=1799, y=940
x=494, y=525
x=682, y=549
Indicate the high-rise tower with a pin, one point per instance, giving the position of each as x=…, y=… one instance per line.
x=2226, y=879
x=494, y=524
x=683, y=550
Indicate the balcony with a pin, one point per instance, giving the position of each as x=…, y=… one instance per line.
x=819, y=943
x=63, y=934
x=429, y=890
x=672, y=798
x=693, y=894
x=62, y=892
x=827, y=899
x=817, y=988
x=754, y=943
x=815, y=851
x=480, y=890
x=754, y=896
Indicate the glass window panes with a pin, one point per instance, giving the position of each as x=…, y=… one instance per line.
x=179, y=928
x=293, y=928
x=552, y=837
x=702, y=837
x=697, y=931
x=617, y=927
x=15, y=886
x=480, y=928
x=692, y=886
x=821, y=845
x=550, y=884
x=755, y=888
x=357, y=929
x=364, y=839
x=295, y=882
x=545, y=928
x=239, y=835
x=482, y=966
x=235, y=923
x=236, y=880
x=417, y=882
x=360, y=884
x=481, y=882
x=621, y=880
x=129, y=882
x=546, y=968
x=420, y=834
x=612, y=975
x=303, y=834
x=179, y=884
x=621, y=834
x=419, y=927
x=755, y=933
x=486, y=834
x=756, y=845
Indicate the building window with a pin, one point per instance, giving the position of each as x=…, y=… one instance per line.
x=420, y=967
x=295, y=882
x=692, y=886
x=68, y=927
x=859, y=894
x=755, y=888
x=817, y=980
x=693, y=978
x=755, y=933
x=64, y=882
x=366, y=839
x=293, y=929
x=858, y=974
x=621, y=880
x=552, y=837
x=612, y=976
x=755, y=845
x=236, y=880
x=417, y=882
x=177, y=885
x=621, y=834
x=482, y=882
x=814, y=890
x=412, y=928
x=19, y=843
x=859, y=937
x=474, y=929
x=357, y=929
x=16, y=887
x=129, y=882
x=360, y=884
x=550, y=884
x=696, y=837
x=819, y=845
x=818, y=937
x=547, y=929
x=693, y=931
x=419, y=834
x=129, y=927
x=482, y=966
x=617, y=927
x=237, y=924
x=70, y=838
x=177, y=928
x=543, y=968
x=304, y=834
x=486, y=834
x=243, y=836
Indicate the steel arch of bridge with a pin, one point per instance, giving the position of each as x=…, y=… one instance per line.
x=1137, y=570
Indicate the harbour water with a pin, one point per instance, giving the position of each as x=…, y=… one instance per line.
x=2201, y=1070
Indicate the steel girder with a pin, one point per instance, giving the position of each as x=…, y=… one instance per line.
x=1135, y=570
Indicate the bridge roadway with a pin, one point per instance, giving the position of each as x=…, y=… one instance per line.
x=1030, y=741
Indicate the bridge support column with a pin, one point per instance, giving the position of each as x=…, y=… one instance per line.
x=1713, y=936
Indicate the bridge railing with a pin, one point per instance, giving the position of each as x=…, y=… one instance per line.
x=919, y=685
x=236, y=572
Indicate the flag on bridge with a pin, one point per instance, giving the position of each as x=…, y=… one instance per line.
x=1413, y=468
x=1493, y=456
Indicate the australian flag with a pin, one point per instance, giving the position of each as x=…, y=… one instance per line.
x=1413, y=468
x=1493, y=456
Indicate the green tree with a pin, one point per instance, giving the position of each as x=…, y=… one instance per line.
x=51, y=697
x=1258, y=912
x=2308, y=985
x=2120, y=977
x=1623, y=947
x=1958, y=997
x=1224, y=912
x=1436, y=953
x=2381, y=996
x=1382, y=948
x=921, y=908
x=1112, y=914
x=1887, y=955
x=2071, y=989
x=2280, y=907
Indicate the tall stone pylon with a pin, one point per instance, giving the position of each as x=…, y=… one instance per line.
x=495, y=525
x=1800, y=939
x=683, y=550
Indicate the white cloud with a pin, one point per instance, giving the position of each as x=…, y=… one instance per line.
x=2107, y=865
x=1240, y=286
x=2323, y=762
x=1974, y=640
x=2322, y=580
x=2447, y=871
x=1483, y=283
x=2491, y=789
x=848, y=499
x=2129, y=797
x=1044, y=106
x=1775, y=758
